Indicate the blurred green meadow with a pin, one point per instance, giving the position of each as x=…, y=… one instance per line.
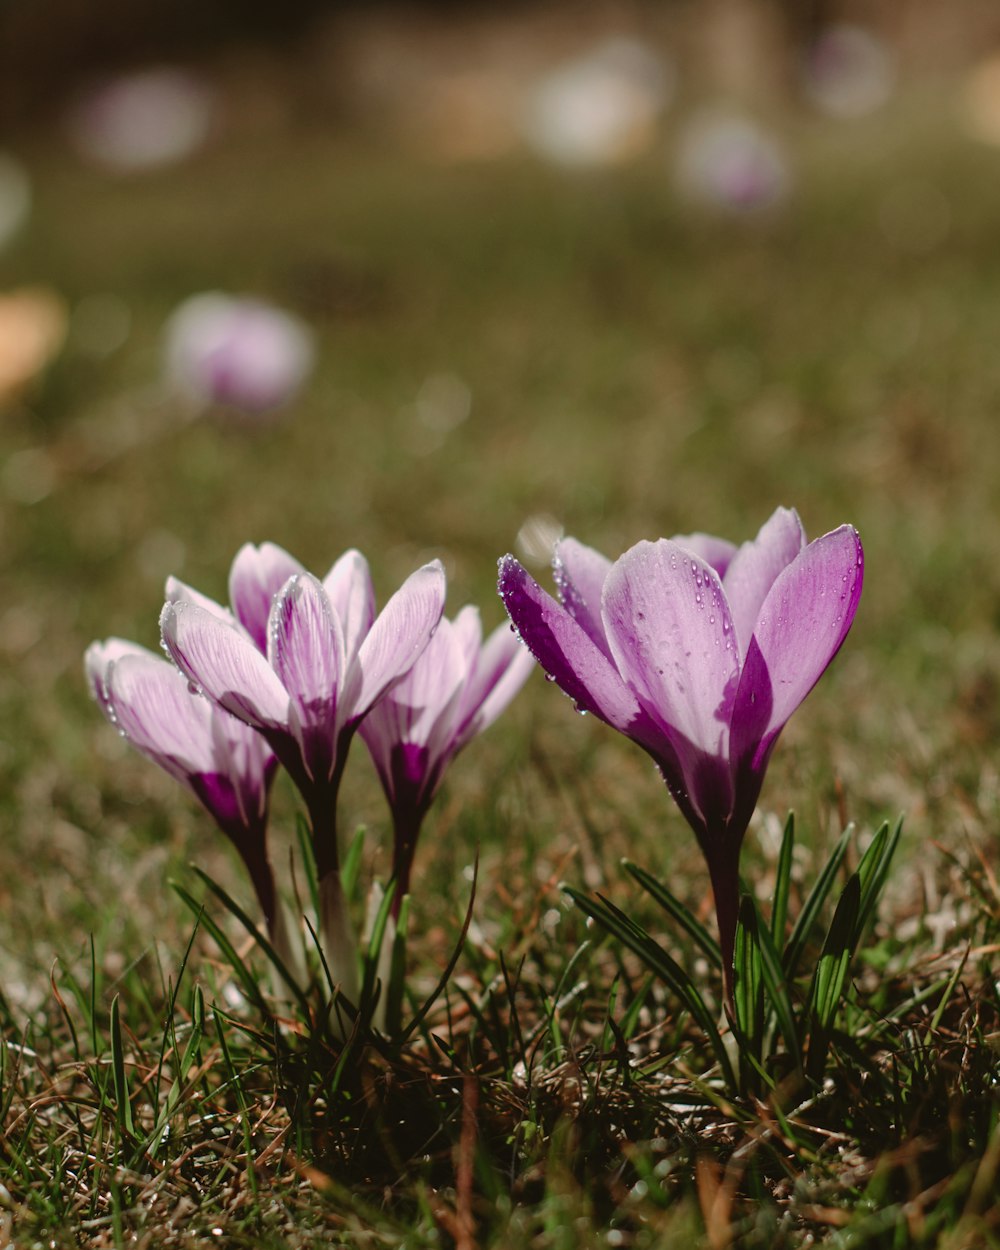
x=637, y=366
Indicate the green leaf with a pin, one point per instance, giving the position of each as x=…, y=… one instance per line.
x=783, y=882
x=370, y=991
x=814, y=904
x=873, y=870
x=777, y=991
x=748, y=982
x=122, y=1100
x=432, y=998
x=656, y=959
x=831, y=974
x=351, y=867
x=275, y=959
x=248, y=982
x=395, y=990
x=677, y=911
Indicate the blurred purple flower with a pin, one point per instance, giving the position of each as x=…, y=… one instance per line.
x=236, y=353
x=143, y=120
x=227, y=766
x=305, y=675
x=700, y=652
x=731, y=163
x=848, y=71
x=455, y=690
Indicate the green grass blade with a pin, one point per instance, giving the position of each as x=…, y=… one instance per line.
x=371, y=991
x=677, y=911
x=123, y=1104
x=777, y=991
x=874, y=869
x=783, y=882
x=274, y=958
x=656, y=959
x=748, y=981
x=831, y=974
x=248, y=982
x=350, y=870
x=445, y=977
x=395, y=991
x=814, y=904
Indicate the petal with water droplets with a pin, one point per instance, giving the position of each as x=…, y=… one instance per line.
x=565, y=650
x=256, y=576
x=671, y=636
x=580, y=573
x=157, y=713
x=714, y=551
x=98, y=661
x=222, y=661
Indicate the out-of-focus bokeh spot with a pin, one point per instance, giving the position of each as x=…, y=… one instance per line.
x=730, y=163
x=848, y=71
x=981, y=100
x=601, y=108
x=32, y=330
x=236, y=353
x=143, y=120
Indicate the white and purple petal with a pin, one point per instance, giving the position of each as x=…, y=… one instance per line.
x=671, y=636
x=802, y=624
x=398, y=636
x=349, y=588
x=501, y=669
x=221, y=660
x=566, y=651
x=305, y=647
x=98, y=661
x=714, y=551
x=755, y=566
x=256, y=576
x=580, y=573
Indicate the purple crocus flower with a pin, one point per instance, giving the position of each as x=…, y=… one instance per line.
x=304, y=676
x=700, y=652
x=227, y=766
x=238, y=353
x=457, y=688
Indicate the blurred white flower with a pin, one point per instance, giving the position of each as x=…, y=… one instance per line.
x=15, y=198
x=143, y=120
x=236, y=353
x=848, y=72
x=601, y=108
x=732, y=163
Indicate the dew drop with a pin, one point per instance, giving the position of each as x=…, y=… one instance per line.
x=550, y=677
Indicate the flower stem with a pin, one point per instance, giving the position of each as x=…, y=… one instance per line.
x=724, y=873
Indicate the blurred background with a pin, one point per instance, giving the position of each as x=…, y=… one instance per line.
x=452, y=279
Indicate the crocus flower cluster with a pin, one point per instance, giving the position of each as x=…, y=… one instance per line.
x=287, y=673
x=699, y=651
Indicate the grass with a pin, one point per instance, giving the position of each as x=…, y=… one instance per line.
x=635, y=369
